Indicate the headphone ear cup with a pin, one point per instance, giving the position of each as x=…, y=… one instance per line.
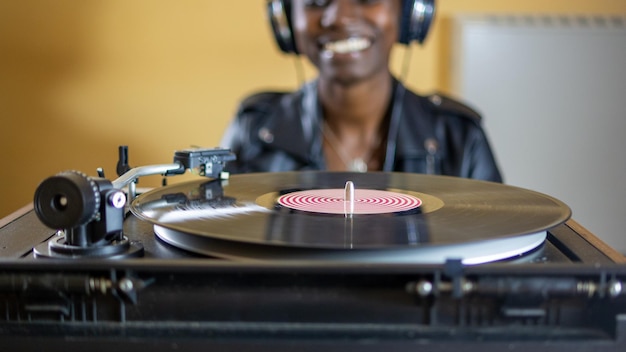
x=416, y=18
x=279, y=15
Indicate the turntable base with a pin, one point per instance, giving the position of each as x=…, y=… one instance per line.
x=563, y=294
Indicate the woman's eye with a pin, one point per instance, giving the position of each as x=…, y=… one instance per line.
x=324, y=3
x=316, y=3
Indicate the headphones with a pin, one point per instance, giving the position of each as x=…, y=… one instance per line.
x=415, y=21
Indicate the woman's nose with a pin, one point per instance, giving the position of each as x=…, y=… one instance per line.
x=340, y=12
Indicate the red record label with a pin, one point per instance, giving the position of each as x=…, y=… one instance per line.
x=366, y=201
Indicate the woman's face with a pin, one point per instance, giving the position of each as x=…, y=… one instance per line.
x=347, y=40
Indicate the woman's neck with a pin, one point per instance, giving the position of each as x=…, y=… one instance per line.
x=360, y=106
x=354, y=119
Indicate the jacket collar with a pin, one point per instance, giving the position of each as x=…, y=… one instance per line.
x=299, y=134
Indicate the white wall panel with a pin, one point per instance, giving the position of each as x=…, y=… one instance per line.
x=552, y=91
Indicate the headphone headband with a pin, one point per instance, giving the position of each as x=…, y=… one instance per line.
x=415, y=20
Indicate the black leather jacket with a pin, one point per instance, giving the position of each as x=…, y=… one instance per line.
x=276, y=131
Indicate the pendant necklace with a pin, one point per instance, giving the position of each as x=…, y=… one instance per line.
x=358, y=164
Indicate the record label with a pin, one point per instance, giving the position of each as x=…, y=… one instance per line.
x=366, y=201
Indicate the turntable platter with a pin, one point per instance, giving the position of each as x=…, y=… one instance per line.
x=446, y=211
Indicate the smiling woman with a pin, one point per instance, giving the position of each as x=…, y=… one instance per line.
x=356, y=115
x=78, y=78
x=347, y=42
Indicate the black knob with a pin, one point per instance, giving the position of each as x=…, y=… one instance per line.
x=67, y=200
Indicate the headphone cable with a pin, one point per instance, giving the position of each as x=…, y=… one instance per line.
x=406, y=63
x=396, y=112
x=299, y=70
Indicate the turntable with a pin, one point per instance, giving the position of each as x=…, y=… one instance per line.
x=304, y=260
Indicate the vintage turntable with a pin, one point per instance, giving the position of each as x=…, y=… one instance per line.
x=304, y=260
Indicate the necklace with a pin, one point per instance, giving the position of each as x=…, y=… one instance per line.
x=358, y=164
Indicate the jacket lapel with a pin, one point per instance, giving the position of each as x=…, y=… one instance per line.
x=297, y=134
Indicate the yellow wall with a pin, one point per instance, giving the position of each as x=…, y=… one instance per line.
x=80, y=77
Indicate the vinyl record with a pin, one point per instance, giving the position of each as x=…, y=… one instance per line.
x=304, y=212
x=469, y=253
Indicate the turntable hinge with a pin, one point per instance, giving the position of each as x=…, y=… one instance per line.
x=507, y=286
x=125, y=288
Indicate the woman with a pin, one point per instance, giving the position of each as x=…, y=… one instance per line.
x=356, y=116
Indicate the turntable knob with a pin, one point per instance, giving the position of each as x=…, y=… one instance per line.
x=67, y=200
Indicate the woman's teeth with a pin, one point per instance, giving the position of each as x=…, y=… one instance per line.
x=349, y=45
